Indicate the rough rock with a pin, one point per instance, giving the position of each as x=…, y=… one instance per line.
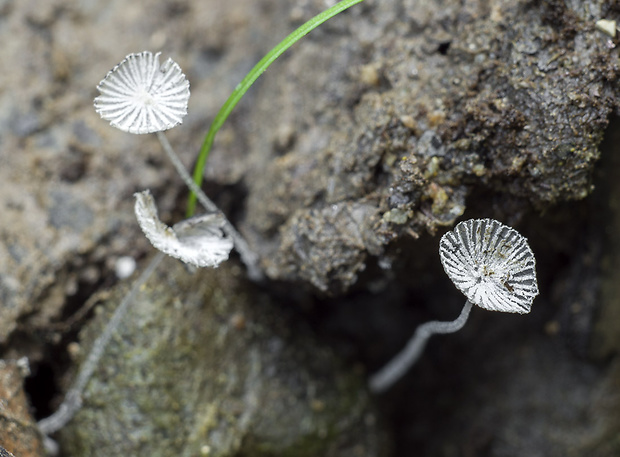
x=530, y=397
x=604, y=341
x=67, y=177
x=204, y=364
x=411, y=109
x=18, y=431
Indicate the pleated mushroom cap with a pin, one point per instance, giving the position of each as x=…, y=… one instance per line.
x=141, y=96
x=492, y=264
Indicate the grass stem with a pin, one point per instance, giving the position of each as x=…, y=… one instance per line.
x=247, y=82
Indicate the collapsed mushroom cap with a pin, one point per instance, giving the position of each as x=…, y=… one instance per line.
x=492, y=264
x=140, y=96
x=198, y=241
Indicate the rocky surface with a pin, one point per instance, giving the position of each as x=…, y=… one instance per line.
x=342, y=166
x=205, y=364
x=415, y=106
x=18, y=430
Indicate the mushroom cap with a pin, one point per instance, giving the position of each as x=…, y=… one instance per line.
x=140, y=96
x=492, y=264
x=198, y=241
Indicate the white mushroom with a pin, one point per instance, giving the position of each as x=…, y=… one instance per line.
x=494, y=267
x=198, y=241
x=492, y=264
x=141, y=96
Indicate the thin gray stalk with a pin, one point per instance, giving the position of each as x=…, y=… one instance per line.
x=400, y=364
x=73, y=400
x=248, y=257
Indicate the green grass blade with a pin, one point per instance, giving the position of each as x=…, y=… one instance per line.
x=247, y=82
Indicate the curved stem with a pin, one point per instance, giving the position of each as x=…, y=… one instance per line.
x=73, y=400
x=406, y=358
x=248, y=257
x=247, y=82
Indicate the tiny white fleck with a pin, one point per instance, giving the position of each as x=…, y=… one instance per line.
x=607, y=26
x=24, y=366
x=124, y=267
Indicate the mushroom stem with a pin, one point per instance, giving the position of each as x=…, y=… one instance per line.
x=387, y=376
x=248, y=257
x=73, y=399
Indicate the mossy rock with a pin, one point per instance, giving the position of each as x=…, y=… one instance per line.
x=205, y=364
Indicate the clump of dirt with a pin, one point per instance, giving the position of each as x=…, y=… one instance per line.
x=388, y=132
